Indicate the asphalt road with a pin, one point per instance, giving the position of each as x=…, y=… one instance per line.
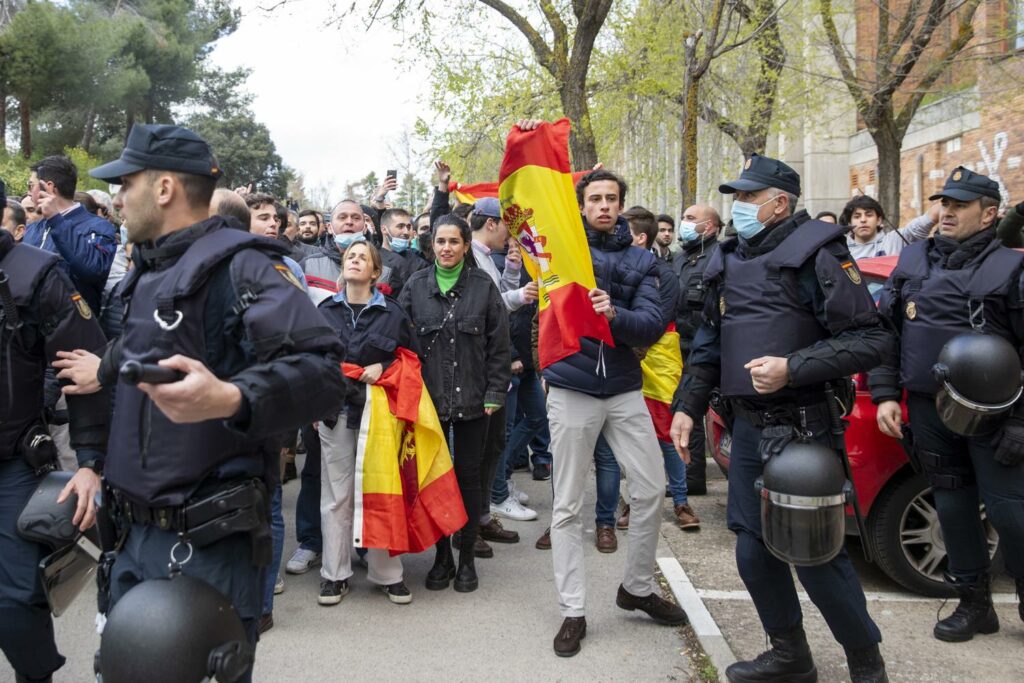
x=502, y=632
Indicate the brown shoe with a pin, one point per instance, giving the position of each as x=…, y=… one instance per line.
x=544, y=542
x=482, y=549
x=623, y=521
x=656, y=607
x=493, y=531
x=606, y=540
x=573, y=630
x=686, y=518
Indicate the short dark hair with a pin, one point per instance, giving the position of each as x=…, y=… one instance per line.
x=60, y=171
x=392, y=214
x=282, y=213
x=478, y=221
x=88, y=202
x=822, y=214
x=595, y=176
x=17, y=211
x=864, y=203
x=462, y=210
x=258, y=199
x=422, y=215
x=665, y=218
x=311, y=212
x=198, y=188
x=642, y=222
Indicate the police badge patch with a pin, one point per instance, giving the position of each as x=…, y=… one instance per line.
x=721, y=305
x=852, y=272
x=82, y=305
x=911, y=310
x=747, y=165
x=957, y=175
x=288, y=275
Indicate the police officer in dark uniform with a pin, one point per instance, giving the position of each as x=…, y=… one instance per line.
x=42, y=314
x=787, y=314
x=698, y=233
x=190, y=459
x=962, y=280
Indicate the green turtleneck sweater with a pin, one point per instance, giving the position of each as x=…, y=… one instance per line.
x=447, y=277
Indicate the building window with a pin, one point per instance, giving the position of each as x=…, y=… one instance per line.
x=1017, y=24
x=953, y=145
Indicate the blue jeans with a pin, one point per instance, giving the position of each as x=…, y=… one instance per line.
x=527, y=395
x=307, y=507
x=675, y=473
x=277, y=535
x=608, y=477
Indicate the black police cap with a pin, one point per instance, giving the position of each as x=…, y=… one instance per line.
x=965, y=185
x=760, y=172
x=160, y=148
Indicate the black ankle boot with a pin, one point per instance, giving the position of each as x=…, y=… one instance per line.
x=465, y=578
x=443, y=570
x=789, y=661
x=974, y=613
x=866, y=665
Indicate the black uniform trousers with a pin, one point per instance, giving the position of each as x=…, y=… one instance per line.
x=833, y=587
x=967, y=475
x=26, y=628
x=226, y=565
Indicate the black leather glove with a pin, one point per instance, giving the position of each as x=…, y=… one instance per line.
x=1010, y=443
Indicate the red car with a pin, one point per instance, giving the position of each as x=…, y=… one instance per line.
x=901, y=521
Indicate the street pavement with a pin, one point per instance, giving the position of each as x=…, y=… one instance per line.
x=501, y=632
x=905, y=619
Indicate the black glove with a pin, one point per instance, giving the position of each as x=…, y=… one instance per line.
x=1010, y=443
x=774, y=439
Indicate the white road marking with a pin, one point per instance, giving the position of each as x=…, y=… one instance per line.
x=743, y=596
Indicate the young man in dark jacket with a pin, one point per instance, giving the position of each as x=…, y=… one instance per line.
x=597, y=391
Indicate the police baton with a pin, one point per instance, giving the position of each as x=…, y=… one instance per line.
x=838, y=429
x=134, y=372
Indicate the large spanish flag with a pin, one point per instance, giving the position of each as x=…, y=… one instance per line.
x=468, y=193
x=406, y=495
x=662, y=367
x=538, y=203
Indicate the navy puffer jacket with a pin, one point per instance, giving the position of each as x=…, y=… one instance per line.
x=630, y=275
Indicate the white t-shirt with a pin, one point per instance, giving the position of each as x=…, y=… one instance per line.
x=889, y=243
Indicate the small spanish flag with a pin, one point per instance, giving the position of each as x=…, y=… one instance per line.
x=662, y=367
x=406, y=495
x=538, y=203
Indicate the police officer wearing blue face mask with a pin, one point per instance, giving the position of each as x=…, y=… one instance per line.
x=787, y=312
x=193, y=453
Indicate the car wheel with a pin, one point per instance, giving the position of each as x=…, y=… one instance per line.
x=906, y=537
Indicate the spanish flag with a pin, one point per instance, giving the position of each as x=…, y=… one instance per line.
x=406, y=495
x=662, y=367
x=538, y=203
x=468, y=193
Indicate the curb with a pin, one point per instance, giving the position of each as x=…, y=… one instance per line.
x=703, y=624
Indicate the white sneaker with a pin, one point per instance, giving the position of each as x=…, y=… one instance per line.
x=513, y=509
x=279, y=585
x=514, y=492
x=302, y=561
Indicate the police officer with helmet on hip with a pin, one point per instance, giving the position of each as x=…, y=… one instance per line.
x=788, y=318
x=958, y=302
x=41, y=315
x=220, y=351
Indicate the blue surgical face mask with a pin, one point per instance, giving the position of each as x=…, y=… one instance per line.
x=744, y=218
x=399, y=244
x=347, y=239
x=124, y=235
x=688, y=231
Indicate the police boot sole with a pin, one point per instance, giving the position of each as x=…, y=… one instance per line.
x=805, y=677
x=962, y=637
x=466, y=586
x=440, y=584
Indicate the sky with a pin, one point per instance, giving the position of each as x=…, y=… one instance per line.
x=333, y=97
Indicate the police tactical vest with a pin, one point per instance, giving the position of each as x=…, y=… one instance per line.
x=22, y=355
x=760, y=306
x=939, y=304
x=149, y=458
x=690, y=270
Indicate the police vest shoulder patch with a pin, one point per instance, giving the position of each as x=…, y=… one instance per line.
x=287, y=274
x=82, y=305
x=911, y=310
x=851, y=272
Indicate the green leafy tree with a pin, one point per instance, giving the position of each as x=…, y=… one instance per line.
x=244, y=150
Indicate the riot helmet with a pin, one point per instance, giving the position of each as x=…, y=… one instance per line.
x=980, y=379
x=804, y=492
x=173, y=630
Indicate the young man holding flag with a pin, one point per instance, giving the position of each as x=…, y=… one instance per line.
x=595, y=388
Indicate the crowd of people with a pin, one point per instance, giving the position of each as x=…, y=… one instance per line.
x=255, y=304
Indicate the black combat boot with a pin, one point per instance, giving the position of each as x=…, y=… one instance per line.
x=866, y=665
x=465, y=578
x=789, y=661
x=974, y=614
x=443, y=570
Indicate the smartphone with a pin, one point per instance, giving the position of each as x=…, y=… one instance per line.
x=392, y=174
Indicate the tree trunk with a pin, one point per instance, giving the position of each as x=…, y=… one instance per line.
x=129, y=121
x=887, y=141
x=90, y=127
x=26, y=128
x=581, y=138
x=688, y=152
x=3, y=121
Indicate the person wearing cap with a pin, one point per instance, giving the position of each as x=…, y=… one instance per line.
x=962, y=280
x=190, y=461
x=788, y=317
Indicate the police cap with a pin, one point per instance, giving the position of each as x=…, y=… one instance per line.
x=760, y=172
x=161, y=148
x=964, y=185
